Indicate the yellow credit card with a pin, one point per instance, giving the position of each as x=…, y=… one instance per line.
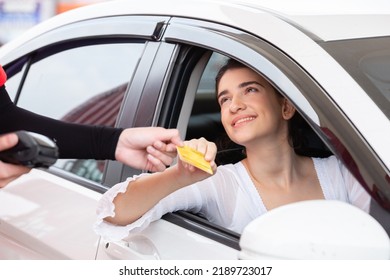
x=194, y=158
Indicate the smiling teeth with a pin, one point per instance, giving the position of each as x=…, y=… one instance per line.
x=244, y=120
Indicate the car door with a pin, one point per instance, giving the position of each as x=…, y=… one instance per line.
x=82, y=72
x=186, y=101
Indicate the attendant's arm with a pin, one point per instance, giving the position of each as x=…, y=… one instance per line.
x=150, y=148
x=74, y=140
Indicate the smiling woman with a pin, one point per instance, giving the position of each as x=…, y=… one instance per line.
x=255, y=116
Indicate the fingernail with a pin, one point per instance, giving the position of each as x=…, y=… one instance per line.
x=158, y=145
x=150, y=149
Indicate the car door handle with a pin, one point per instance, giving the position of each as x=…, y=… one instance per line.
x=136, y=247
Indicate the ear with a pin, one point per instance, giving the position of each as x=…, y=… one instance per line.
x=288, y=109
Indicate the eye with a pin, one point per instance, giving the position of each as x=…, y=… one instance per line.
x=223, y=100
x=251, y=89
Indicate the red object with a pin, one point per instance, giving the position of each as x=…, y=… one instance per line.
x=3, y=76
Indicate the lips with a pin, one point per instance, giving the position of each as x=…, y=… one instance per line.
x=241, y=120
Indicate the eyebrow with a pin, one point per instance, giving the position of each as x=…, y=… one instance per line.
x=242, y=85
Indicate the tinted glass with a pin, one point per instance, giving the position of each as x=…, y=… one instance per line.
x=368, y=61
x=83, y=85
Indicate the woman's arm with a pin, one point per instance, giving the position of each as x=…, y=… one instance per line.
x=146, y=191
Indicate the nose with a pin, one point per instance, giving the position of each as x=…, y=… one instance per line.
x=236, y=104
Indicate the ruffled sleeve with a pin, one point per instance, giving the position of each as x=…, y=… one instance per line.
x=106, y=208
x=188, y=199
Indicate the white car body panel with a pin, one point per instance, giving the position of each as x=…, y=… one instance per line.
x=42, y=224
x=42, y=228
x=162, y=240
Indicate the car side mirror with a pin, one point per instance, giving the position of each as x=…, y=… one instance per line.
x=316, y=229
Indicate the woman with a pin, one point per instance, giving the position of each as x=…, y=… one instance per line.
x=257, y=117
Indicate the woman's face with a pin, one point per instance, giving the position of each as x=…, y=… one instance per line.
x=251, y=110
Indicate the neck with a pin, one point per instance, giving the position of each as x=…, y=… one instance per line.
x=273, y=165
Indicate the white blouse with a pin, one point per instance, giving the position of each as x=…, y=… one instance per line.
x=228, y=198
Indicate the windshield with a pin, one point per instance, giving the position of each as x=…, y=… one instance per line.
x=368, y=62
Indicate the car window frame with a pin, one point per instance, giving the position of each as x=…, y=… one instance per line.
x=147, y=84
x=148, y=28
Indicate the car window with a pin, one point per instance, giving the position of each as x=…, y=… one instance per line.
x=368, y=62
x=84, y=85
x=205, y=117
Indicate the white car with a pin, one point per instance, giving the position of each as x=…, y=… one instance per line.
x=152, y=63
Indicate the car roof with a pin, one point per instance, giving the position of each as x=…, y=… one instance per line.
x=323, y=20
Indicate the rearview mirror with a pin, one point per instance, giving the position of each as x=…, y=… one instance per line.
x=317, y=229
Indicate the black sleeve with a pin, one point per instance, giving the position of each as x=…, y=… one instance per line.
x=73, y=140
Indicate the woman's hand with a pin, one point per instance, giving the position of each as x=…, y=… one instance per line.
x=191, y=174
x=146, y=191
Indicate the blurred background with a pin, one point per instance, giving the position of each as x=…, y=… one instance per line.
x=16, y=16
